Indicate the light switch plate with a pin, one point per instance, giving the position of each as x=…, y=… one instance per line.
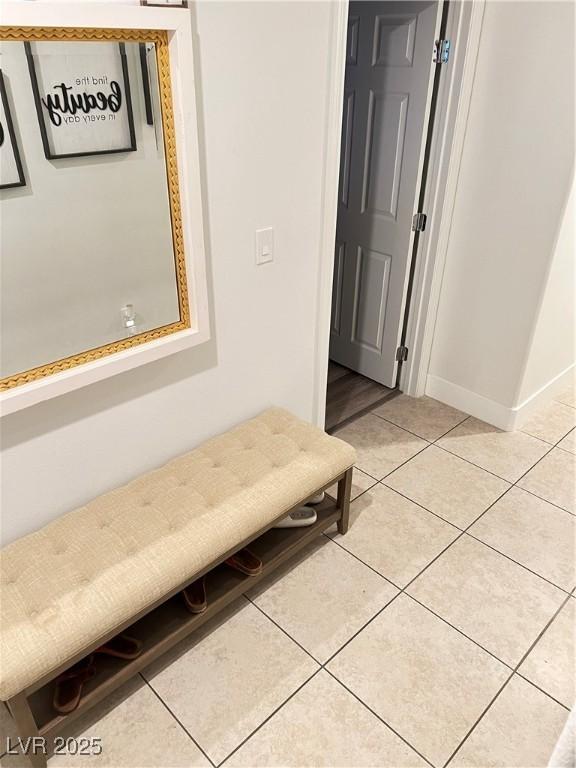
x=264, y=245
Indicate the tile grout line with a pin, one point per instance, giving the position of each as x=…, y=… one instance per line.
x=385, y=475
x=499, y=477
x=430, y=442
x=446, y=450
x=534, y=573
x=323, y=667
x=186, y=731
x=462, y=532
x=523, y=475
x=462, y=458
x=370, y=620
x=541, y=633
x=402, y=590
x=555, y=445
x=451, y=428
x=514, y=672
x=468, y=461
x=367, y=473
x=549, y=441
x=480, y=718
x=511, y=485
x=357, y=557
x=403, y=495
x=534, y=685
x=466, y=531
x=376, y=715
x=285, y=631
x=270, y=716
x=460, y=632
x=556, y=506
x=404, y=429
x=418, y=504
x=515, y=483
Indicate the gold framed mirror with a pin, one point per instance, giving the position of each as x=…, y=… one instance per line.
x=92, y=243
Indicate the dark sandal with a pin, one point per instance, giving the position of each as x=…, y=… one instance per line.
x=69, y=684
x=245, y=562
x=195, y=596
x=122, y=647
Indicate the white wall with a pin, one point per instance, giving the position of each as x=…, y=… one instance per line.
x=551, y=351
x=262, y=84
x=513, y=185
x=94, y=232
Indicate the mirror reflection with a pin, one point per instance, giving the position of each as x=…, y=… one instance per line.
x=87, y=254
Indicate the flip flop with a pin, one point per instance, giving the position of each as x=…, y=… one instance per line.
x=121, y=647
x=69, y=684
x=245, y=562
x=195, y=596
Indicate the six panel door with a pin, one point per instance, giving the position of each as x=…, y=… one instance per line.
x=389, y=73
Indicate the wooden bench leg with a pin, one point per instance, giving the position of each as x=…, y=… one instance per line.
x=36, y=748
x=344, y=491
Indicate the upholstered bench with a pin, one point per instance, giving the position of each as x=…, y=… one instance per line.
x=121, y=559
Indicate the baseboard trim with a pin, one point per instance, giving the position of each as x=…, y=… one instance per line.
x=501, y=416
x=543, y=395
x=470, y=402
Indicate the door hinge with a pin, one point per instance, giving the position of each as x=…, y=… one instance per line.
x=441, y=52
x=419, y=222
x=402, y=354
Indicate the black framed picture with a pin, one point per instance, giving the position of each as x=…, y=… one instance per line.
x=11, y=170
x=143, y=52
x=82, y=96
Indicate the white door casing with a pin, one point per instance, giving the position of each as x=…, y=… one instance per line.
x=387, y=92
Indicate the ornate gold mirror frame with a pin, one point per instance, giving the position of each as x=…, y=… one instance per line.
x=160, y=39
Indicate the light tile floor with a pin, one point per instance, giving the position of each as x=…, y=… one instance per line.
x=439, y=631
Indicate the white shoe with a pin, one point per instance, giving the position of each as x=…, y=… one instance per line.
x=299, y=518
x=317, y=499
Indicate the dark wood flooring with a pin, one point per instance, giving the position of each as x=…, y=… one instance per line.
x=350, y=395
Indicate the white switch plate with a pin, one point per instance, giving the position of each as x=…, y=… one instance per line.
x=264, y=245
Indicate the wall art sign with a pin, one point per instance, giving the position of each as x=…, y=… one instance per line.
x=11, y=171
x=82, y=96
x=143, y=51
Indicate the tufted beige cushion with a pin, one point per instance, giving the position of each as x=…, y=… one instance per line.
x=74, y=581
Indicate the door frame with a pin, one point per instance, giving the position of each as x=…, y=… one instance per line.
x=463, y=27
